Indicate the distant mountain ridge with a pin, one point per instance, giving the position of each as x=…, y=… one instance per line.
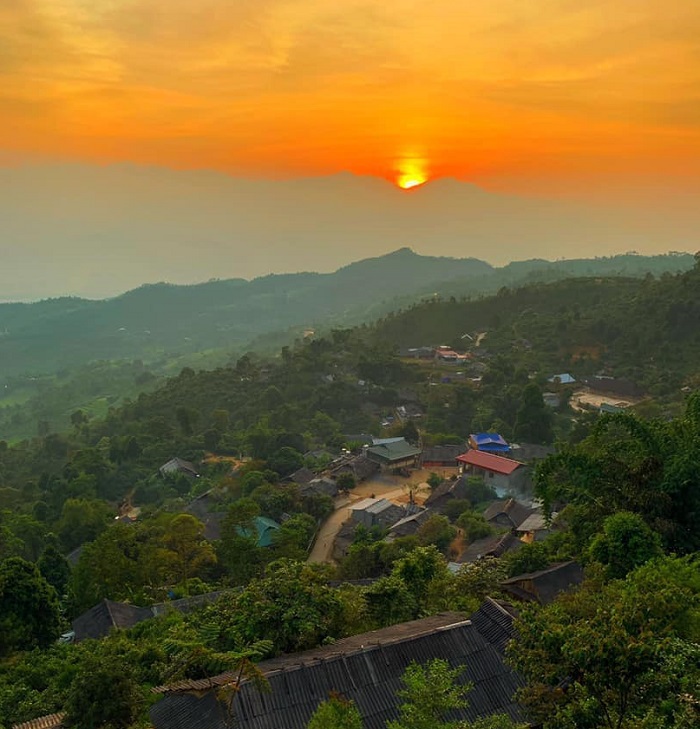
x=98, y=230
x=161, y=320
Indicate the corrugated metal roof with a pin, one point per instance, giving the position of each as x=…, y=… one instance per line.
x=489, y=462
x=365, y=668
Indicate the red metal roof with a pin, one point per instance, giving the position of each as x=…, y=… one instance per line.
x=489, y=462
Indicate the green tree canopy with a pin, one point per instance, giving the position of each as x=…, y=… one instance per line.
x=29, y=610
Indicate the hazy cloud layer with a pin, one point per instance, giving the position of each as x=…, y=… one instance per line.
x=97, y=231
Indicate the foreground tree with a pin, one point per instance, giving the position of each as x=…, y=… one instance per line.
x=612, y=655
x=430, y=692
x=336, y=713
x=103, y=695
x=29, y=611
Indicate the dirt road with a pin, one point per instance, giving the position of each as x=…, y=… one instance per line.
x=393, y=488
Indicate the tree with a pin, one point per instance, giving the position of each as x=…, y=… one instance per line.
x=238, y=547
x=29, y=610
x=389, y=601
x=336, y=713
x=346, y=481
x=285, y=461
x=54, y=567
x=434, y=480
x=628, y=464
x=625, y=543
x=103, y=695
x=474, y=526
x=438, y=531
x=292, y=605
x=81, y=521
x=533, y=421
x=623, y=647
x=187, y=550
x=429, y=693
x=293, y=537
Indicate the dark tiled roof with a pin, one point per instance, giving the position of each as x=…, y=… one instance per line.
x=514, y=510
x=302, y=476
x=360, y=467
x=493, y=546
x=543, y=586
x=494, y=620
x=180, y=465
x=366, y=668
x=443, y=454
x=52, y=721
x=98, y=621
x=450, y=488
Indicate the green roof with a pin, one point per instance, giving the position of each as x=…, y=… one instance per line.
x=264, y=527
x=391, y=452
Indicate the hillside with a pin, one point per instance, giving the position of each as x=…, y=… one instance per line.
x=164, y=320
x=645, y=329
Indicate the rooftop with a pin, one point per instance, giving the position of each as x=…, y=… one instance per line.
x=489, y=462
x=365, y=668
x=52, y=721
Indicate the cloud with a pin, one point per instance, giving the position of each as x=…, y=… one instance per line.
x=318, y=85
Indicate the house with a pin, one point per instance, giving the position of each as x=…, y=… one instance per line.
x=441, y=456
x=534, y=529
x=98, y=621
x=619, y=388
x=409, y=525
x=488, y=442
x=449, y=489
x=360, y=467
x=563, y=379
x=529, y=452
x=320, y=486
x=376, y=512
x=365, y=668
x=504, y=474
x=101, y=619
x=551, y=399
x=494, y=546
x=543, y=586
x=301, y=477
x=408, y=411
x=178, y=465
x=509, y=513
x=264, y=529
x=207, y=507
x=447, y=354
x=400, y=454
x=417, y=352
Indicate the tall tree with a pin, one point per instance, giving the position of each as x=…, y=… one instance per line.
x=429, y=693
x=29, y=611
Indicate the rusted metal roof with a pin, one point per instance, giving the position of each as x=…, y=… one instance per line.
x=52, y=721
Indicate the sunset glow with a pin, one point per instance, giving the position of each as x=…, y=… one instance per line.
x=547, y=94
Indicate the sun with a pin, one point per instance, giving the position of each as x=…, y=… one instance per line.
x=411, y=173
x=407, y=182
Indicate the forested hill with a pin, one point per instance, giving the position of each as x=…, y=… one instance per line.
x=645, y=329
x=163, y=320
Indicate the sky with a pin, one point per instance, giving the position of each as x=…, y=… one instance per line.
x=551, y=97
x=180, y=140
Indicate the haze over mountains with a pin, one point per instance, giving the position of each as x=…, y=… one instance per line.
x=166, y=320
x=97, y=231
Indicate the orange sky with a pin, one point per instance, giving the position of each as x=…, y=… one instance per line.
x=551, y=95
